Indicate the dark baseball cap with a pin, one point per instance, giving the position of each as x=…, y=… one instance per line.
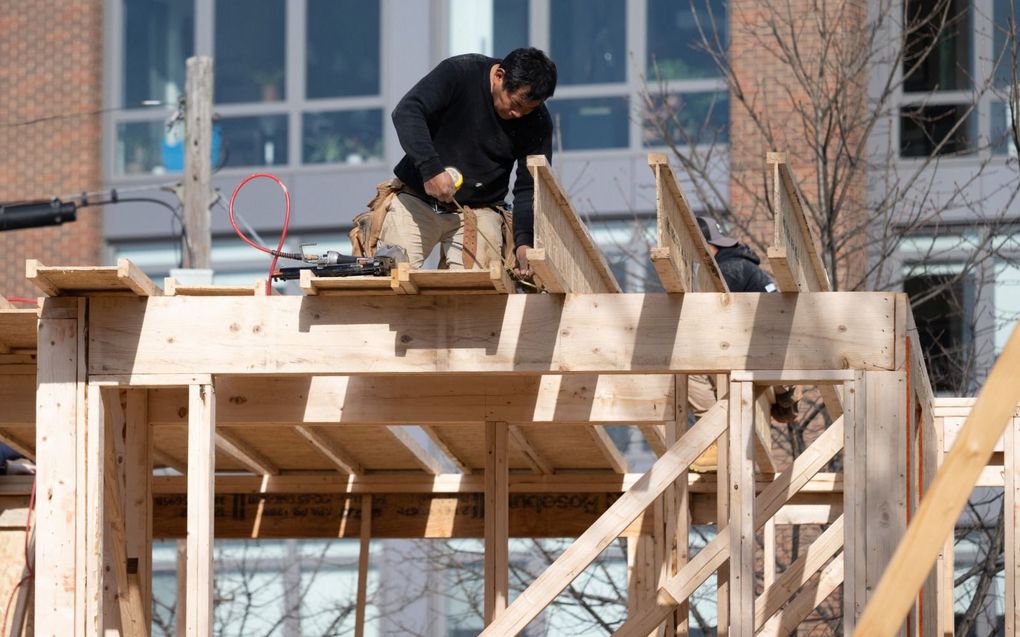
x=713, y=234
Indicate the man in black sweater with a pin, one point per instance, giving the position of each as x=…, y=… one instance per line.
x=479, y=115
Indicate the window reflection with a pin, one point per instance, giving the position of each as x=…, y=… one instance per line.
x=255, y=141
x=158, y=38
x=690, y=118
x=937, y=51
x=936, y=130
x=350, y=137
x=591, y=123
x=250, y=45
x=589, y=40
x=675, y=34
x=342, y=61
x=491, y=27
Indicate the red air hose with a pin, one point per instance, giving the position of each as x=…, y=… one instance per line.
x=283, y=235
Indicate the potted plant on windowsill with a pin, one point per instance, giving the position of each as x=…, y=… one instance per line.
x=270, y=83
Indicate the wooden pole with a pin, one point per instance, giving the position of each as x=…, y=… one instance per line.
x=363, y=555
x=201, y=493
x=741, y=513
x=497, y=521
x=941, y=506
x=95, y=523
x=197, y=181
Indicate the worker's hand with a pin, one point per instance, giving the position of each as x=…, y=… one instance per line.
x=523, y=270
x=441, y=187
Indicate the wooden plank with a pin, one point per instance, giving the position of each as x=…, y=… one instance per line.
x=201, y=490
x=438, y=440
x=591, y=543
x=681, y=251
x=363, y=554
x=608, y=448
x=56, y=581
x=138, y=496
x=328, y=448
x=254, y=401
x=942, y=504
x=520, y=440
x=18, y=329
x=798, y=573
x=795, y=261
x=1011, y=538
x=312, y=285
x=547, y=276
x=854, y=498
x=653, y=435
x=497, y=522
x=124, y=279
x=647, y=333
x=17, y=395
x=401, y=280
x=560, y=231
x=794, y=376
x=244, y=453
x=173, y=287
x=806, y=601
x=182, y=589
x=741, y=509
x=678, y=499
x=96, y=462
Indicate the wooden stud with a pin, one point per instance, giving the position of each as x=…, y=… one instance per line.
x=181, y=606
x=795, y=261
x=680, y=502
x=949, y=491
x=364, y=552
x=591, y=543
x=138, y=497
x=769, y=553
x=497, y=522
x=1011, y=539
x=401, y=280
x=95, y=478
x=201, y=490
x=741, y=509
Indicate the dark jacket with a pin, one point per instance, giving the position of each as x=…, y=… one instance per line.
x=740, y=267
x=448, y=119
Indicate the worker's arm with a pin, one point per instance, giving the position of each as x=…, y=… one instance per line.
x=424, y=103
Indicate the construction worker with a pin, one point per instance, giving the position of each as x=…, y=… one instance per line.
x=740, y=267
x=479, y=116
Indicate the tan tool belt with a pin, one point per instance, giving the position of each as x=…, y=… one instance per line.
x=368, y=225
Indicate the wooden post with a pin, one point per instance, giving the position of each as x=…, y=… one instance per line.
x=363, y=555
x=95, y=522
x=180, y=615
x=678, y=513
x=722, y=508
x=741, y=509
x=497, y=521
x=56, y=477
x=1011, y=511
x=138, y=497
x=201, y=493
x=197, y=181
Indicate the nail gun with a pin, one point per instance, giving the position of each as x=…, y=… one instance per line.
x=334, y=264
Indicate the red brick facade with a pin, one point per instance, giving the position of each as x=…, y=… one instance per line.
x=50, y=65
x=787, y=81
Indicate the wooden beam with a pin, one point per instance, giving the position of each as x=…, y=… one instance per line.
x=520, y=440
x=57, y=405
x=681, y=256
x=439, y=399
x=1011, y=539
x=497, y=521
x=201, y=495
x=741, y=508
x=181, y=614
x=138, y=496
x=233, y=446
x=440, y=442
x=941, y=506
x=95, y=523
x=647, y=333
x=608, y=448
x=806, y=601
x=331, y=450
x=560, y=231
x=795, y=261
x=590, y=544
x=363, y=554
x=547, y=276
x=429, y=463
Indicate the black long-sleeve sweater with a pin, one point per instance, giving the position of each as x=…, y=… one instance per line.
x=448, y=119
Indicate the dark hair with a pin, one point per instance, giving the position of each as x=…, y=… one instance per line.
x=529, y=67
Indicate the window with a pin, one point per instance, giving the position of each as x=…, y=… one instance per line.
x=588, y=41
x=698, y=118
x=599, y=122
x=944, y=129
x=943, y=305
x=158, y=38
x=675, y=33
x=490, y=27
x=938, y=45
x=249, y=57
x=255, y=141
x=342, y=137
x=342, y=61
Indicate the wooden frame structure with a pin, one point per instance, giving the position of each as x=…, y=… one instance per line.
x=272, y=398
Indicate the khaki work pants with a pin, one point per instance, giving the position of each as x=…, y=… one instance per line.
x=415, y=226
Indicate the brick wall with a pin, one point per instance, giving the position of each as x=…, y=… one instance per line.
x=50, y=65
x=782, y=92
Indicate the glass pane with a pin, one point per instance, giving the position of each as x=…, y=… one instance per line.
x=939, y=42
x=490, y=27
x=1007, y=301
x=1006, y=45
x=689, y=118
x=1002, y=129
x=344, y=137
x=944, y=318
x=342, y=61
x=255, y=141
x=250, y=44
x=675, y=49
x=158, y=38
x=139, y=148
x=589, y=40
x=924, y=128
x=599, y=122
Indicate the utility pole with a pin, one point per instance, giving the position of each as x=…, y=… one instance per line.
x=197, y=181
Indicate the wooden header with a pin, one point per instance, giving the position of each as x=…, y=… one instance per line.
x=513, y=334
x=795, y=261
x=565, y=258
x=681, y=257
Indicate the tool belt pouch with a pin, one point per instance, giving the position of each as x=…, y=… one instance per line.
x=365, y=234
